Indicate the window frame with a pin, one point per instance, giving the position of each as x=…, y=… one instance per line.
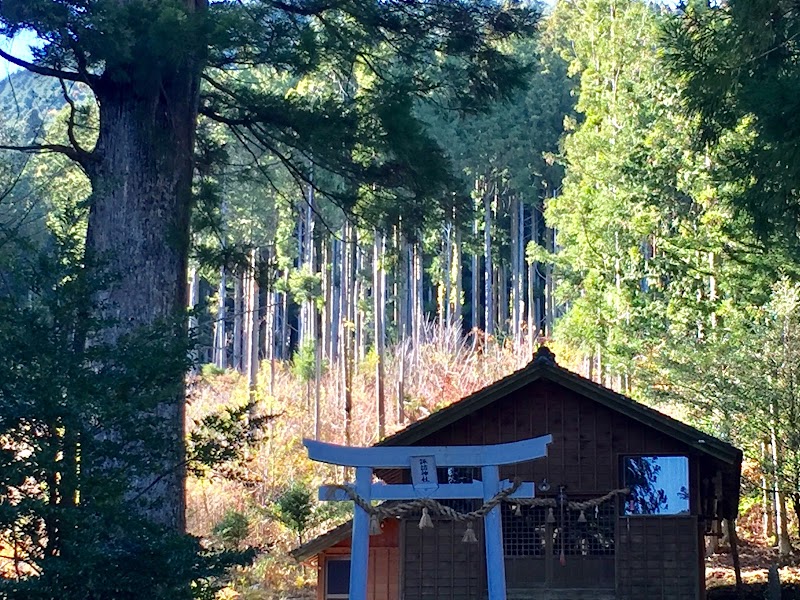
x=328, y=560
x=623, y=512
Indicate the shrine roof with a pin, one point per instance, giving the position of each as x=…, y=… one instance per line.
x=544, y=367
x=322, y=542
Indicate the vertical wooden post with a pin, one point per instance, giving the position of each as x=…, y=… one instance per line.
x=359, y=552
x=737, y=568
x=493, y=535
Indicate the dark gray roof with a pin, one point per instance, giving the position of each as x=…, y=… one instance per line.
x=543, y=366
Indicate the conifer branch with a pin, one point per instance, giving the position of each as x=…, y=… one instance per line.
x=40, y=70
x=67, y=151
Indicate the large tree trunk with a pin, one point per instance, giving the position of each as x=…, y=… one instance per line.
x=141, y=175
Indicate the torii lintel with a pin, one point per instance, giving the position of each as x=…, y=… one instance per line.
x=398, y=457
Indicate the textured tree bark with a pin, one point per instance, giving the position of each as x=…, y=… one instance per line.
x=141, y=175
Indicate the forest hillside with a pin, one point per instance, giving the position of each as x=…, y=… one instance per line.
x=603, y=208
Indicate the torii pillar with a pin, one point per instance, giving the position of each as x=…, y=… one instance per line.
x=423, y=461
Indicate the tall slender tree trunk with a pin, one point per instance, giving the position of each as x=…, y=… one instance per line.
x=488, y=282
x=549, y=311
x=534, y=303
x=220, y=334
x=252, y=322
x=519, y=280
x=781, y=517
x=448, y=273
x=516, y=301
x=284, y=341
x=475, y=287
x=238, y=323
x=766, y=498
x=378, y=309
x=194, y=300
x=269, y=335
x=402, y=281
x=327, y=298
x=336, y=298
x=348, y=334
x=459, y=283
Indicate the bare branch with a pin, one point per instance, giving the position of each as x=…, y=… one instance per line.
x=71, y=124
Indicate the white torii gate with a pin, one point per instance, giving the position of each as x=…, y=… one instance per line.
x=423, y=461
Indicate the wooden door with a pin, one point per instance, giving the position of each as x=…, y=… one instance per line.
x=437, y=565
x=545, y=549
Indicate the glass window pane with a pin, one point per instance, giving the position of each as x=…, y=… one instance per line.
x=659, y=485
x=338, y=577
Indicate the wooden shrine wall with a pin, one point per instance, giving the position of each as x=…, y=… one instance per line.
x=588, y=438
x=383, y=578
x=658, y=558
x=585, y=455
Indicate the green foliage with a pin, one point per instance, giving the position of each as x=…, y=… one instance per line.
x=304, y=361
x=232, y=529
x=333, y=84
x=305, y=286
x=222, y=438
x=72, y=417
x=295, y=508
x=740, y=381
x=210, y=370
x=737, y=62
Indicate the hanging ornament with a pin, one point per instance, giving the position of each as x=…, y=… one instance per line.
x=517, y=510
x=562, y=501
x=425, y=521
x=375, y=525
x=469, y=535
x=551, y=517
x=582, y=518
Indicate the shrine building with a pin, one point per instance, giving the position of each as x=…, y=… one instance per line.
x=624, y=500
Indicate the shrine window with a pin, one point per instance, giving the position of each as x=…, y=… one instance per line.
x=659, y=485
x=458, y=474
x=337, y=579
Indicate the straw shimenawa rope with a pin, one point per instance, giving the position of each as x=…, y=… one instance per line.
x=382, y=511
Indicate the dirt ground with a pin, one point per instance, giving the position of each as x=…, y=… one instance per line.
x=755, y=561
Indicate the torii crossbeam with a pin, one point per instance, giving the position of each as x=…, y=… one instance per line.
x=423, y=461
